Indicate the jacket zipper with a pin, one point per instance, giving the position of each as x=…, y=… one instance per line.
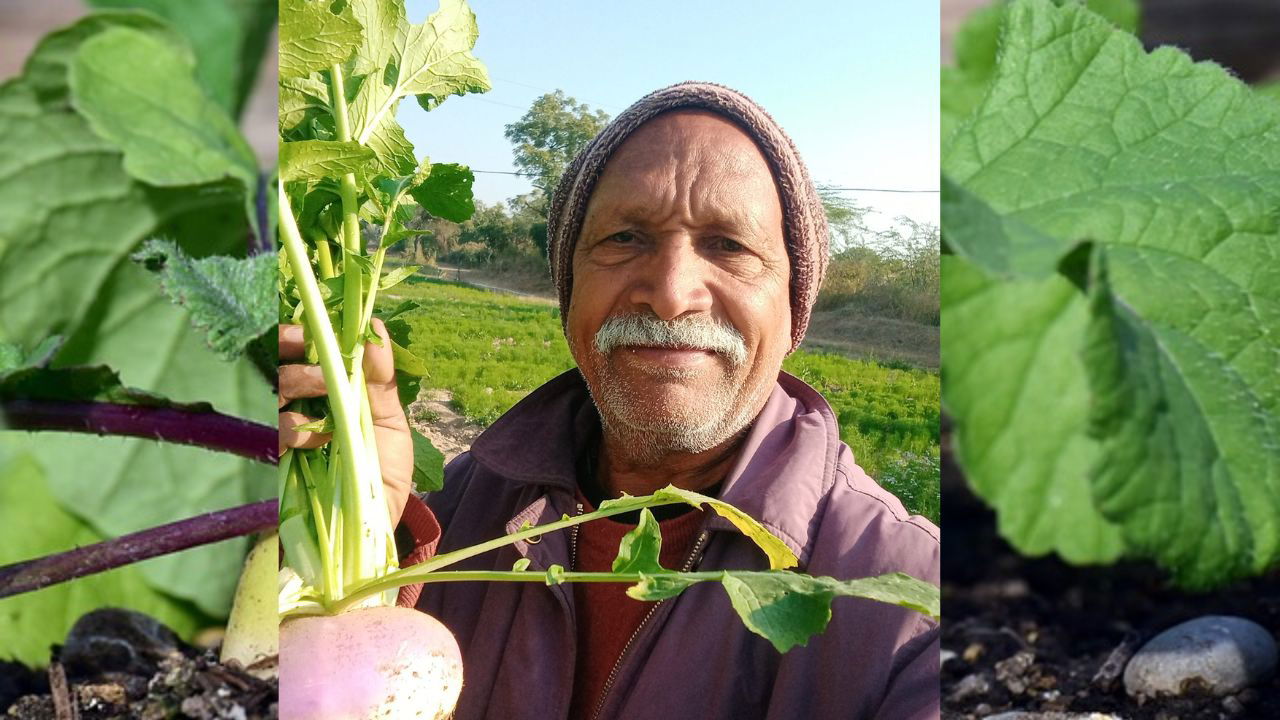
x=613, y=674
x=573, y=540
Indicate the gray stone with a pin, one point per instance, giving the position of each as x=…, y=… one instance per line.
x=970, y=685
x=1215, y=654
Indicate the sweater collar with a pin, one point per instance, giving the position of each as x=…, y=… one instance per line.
x=784, y=469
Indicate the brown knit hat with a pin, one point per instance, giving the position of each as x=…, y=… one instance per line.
x=804, y=220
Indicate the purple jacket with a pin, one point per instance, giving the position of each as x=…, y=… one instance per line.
x=692, y=657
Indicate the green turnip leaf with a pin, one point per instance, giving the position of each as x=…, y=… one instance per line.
x=397, y=60
x=640, y=547
x=47, y=67
x=428, y=464
x=139, y=93
x=787, y=608
x=322, y=159
x=446, y=192
x=70, y=216
x=313, y=37
x=1127, y=403
x=228, y=37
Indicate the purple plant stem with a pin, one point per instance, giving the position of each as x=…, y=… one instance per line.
x=211, y=430
x=174, y=537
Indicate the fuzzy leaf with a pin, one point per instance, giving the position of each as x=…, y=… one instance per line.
x=229, y=298
x=976, y=44
x=1165, y=428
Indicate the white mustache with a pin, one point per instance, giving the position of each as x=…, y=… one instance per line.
x=696, y=333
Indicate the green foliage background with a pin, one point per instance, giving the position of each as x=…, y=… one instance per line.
x=490, y=350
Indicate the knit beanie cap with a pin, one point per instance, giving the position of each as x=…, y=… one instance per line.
x=803, y=218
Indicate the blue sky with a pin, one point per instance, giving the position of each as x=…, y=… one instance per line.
x=855, y=84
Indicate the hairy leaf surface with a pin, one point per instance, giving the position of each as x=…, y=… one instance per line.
x=1155, y=357
x=229, y=298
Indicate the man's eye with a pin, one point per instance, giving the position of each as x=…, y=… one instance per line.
x=727, y=245
x=622, y=238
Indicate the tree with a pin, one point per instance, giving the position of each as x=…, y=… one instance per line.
x=846, y=220
x=547, y=138
x=490, y=226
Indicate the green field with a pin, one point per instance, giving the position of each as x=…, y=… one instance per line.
x=490, y=350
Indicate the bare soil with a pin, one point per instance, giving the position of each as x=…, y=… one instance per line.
x=871, y=337
x=432, y=414
x=1038, y=635
x=119, y=665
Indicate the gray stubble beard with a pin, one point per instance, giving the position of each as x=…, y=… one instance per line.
x=645, y=437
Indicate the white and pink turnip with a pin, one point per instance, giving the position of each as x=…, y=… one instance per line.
x=380, y=662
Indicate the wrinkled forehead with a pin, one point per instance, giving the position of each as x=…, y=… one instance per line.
x=696, y=138
x=692, y=155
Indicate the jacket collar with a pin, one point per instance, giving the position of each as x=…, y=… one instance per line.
x=784, y=470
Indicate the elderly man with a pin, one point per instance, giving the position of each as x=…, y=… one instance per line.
x=687, y=244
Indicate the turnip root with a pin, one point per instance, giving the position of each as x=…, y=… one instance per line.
x=381, y=662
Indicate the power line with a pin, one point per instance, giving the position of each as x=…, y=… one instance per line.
x=505, y=172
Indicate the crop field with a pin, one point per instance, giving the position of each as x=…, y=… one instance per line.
x=490, y=350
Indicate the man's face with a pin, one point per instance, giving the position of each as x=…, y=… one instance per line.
x=679, y=317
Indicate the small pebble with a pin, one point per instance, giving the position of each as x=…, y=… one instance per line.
x=1217, y=654
x=973, y=652
x=1012, y=671
x=969, y=685
x=947, y=656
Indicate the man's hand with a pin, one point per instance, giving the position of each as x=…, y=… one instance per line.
x=390, y=427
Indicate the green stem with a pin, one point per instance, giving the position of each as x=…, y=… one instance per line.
x=343, y=400
x=423, y=570
x=390, y=583
x=351, y=299
x=324, y=256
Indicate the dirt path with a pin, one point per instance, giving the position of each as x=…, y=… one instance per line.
x=432, y=414
x=529, y=288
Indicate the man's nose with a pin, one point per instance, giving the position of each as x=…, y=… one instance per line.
x=673, y=281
